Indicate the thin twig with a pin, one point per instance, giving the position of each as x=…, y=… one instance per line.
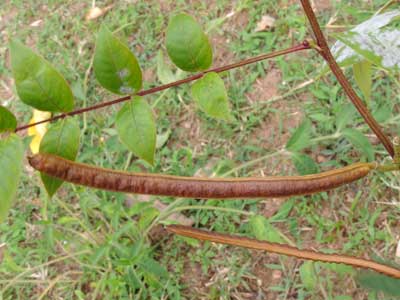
x=324, y=51
x=303, y=46
x=240, y=241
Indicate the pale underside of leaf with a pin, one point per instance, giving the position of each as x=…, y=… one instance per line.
x=373, y=40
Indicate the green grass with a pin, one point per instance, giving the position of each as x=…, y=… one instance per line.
x=87, y=244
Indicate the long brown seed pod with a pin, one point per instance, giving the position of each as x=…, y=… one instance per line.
x=192, y=187
x=282, y=249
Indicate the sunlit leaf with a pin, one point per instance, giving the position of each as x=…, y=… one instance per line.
x=38, y=83
x=263, y=230
x=8, y=122
x=137, y=129
x=363, y=76
x=210, y=94
x=62, y=139
x=37, y=131
x=187, y=45
x=361, y=143
x=115, y=66
x=11, y=155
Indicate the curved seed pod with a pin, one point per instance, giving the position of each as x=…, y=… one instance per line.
x=282, y=249
x=192, y=187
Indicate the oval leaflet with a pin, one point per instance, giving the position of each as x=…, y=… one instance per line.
x=8, y=122
x=115, y=66
x=210, y=94
x=137, y=129
x=61, y=139
x=187, y=45
x=38, y=83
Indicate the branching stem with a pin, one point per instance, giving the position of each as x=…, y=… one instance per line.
x=303, y=46
x=323, y=49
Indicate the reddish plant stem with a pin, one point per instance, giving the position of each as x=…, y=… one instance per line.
x=244, y=242
x=325, y=52
x=303, y=46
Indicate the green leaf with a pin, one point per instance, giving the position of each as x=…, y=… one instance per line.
x=300, y=138
x=8, y=122
x=308, y=276
x=152, y=266
x=38, y=83
x=187, y=45
x=147, y=216
x=341, y=269
x=344, y=116
x=379, y=282
x=343, y=297
x=360, y=142
x=164, y=73
x=61, y=139
x=263, y=230
x=363, y=76
x=153, y=272
x=304, y=164
x=162, y=138
x=284, y=210
x=383, y=113
x=11, y=155
x=257, y=226
x=210, y=94
x=137, y=129
x=115, y=66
